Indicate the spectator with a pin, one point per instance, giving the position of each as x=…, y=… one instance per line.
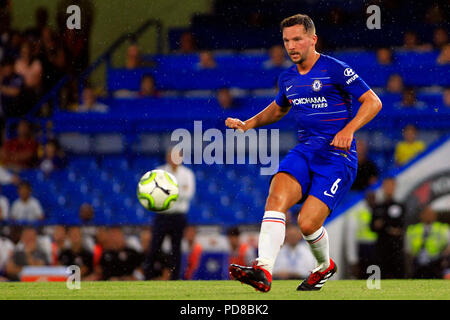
x=77, y=254
x=187, y=43
x=295, y=260
x=367, y=173
x=40, y=20
x=446, y=97
x=133, y=57
x=53, y=58
x=172, y=221
x=395, y=84
x=444, y=56
x=440, y=38
x=6, y=251
x=277, y=58
x=26, y=253
x=409, y=148
x=388, y=221
x=7, y=177
x=360, y=246
x=90, y=103
x=86, y=214
x=53, y=158
x=426, y=244
x=194, y=252
x=30, y=68
x=4, y=207
x=10, y=89
x=148, y=87
x=241, y=253
x=26, y=207
x=57, y=244
x=409, y=100
x=206, y=60
x=411, y=42
x=118, y=262
x=384, y=56
x=225, y=99
x=20, y=152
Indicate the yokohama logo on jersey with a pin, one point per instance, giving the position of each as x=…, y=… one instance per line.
x=316, y=102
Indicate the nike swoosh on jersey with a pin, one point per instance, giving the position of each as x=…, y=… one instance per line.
x=287, y=89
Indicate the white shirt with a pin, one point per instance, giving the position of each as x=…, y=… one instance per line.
x=298, y=259
x=186, y=187
x=31, y=210
x=6, y=250
x=4, y=207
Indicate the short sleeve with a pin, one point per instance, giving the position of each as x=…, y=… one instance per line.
x=349, y=80
x=281, y=98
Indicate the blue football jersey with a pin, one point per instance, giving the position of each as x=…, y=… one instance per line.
x=321, y=100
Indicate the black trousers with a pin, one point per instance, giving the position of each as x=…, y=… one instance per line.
x=171, y=224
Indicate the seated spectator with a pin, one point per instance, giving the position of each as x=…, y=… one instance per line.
x=58, y=243
x=295, y=260
x=26, y=253
x=194, y=252
x=384, y=56
x=6, y=251
x=4, y=207
x=440, y=38
x=240, y=252
x=133, y=57
x=77, y=254
x=408, y=148
x=53, y=158
x=444, y=56
x=395, y=83
x=411, y=42
x=187, y=43
x=7, y=177
x=277, y=58
x=206, y=60
x=225, y=99
x=20, y=152
x=118, y=262
x=89, y=102
x=86, y=214
x=409, y=100
x=11, y=86
x=367, y=173
x=446, y=97
x=148, y=87
x=26, y=207
x=30, y=68
x=426, y=243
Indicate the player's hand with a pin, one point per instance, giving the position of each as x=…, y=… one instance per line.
x=234, y=123
x=343, y=139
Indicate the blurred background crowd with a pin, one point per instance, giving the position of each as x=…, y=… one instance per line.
x=73, y=147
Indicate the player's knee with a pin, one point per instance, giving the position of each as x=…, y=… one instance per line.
x=275, y=202
x=307, y=226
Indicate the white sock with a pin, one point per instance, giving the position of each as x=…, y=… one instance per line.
x=271, y=238
x=318, y=242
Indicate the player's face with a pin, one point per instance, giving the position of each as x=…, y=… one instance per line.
x=298, y=43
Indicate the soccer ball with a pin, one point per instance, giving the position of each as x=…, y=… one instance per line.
x=157, y=190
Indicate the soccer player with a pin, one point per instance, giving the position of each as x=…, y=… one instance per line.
x=320, y=170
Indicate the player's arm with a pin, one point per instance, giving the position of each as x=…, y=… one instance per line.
x=370, y=106
x=271, y=114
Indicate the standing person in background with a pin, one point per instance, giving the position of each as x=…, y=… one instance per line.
x=410, y=147
x=367, y=173
x=172, y=221
x=426, y=243
x=388, y=221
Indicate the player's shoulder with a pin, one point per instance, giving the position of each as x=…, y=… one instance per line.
x=289, y=72
x=333, y=62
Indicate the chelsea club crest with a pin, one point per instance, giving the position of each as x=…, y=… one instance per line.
x=316, y=85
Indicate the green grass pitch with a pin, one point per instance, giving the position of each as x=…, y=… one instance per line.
x=226, y=290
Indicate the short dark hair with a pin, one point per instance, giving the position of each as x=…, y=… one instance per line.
x=300, y=19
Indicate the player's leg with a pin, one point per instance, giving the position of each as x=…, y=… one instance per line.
x=284, y=192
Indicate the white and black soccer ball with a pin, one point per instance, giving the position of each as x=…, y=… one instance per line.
x=157, y=190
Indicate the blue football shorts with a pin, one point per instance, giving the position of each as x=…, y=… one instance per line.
x=325, y=175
